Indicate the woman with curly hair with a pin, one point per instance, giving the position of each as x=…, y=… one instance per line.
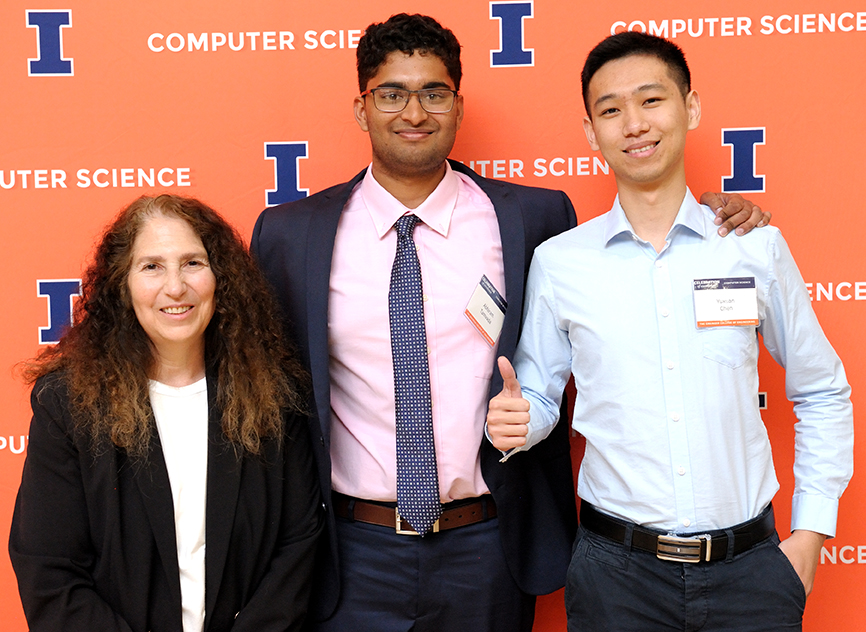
x=169, y=482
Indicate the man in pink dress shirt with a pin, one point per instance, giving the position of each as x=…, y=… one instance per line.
x=506, y=529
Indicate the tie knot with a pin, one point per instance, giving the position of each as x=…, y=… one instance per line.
x=405, y=225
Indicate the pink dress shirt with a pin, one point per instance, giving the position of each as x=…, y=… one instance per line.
x=457, y=243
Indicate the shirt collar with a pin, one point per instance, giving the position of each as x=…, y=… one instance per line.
x=436, y=211
x=690, y=217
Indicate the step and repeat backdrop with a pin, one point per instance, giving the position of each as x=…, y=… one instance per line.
x=249, y=104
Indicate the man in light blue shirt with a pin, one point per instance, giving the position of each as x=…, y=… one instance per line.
x=656, y=317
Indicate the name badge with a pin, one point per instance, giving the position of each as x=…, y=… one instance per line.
x=726, y=302
x=486, y=310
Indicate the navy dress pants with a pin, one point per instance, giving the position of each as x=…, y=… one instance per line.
x=452, y=581
x=611, y=588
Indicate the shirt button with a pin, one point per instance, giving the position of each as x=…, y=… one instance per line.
x=660, y=264
x=686, y=522
x=681, y=470
x=665, y=313
x=670, y=365
x=675, y=416
x=426, y=298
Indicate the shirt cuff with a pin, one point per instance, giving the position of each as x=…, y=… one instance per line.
x=505, y=455
x=814, y=513
x=533, y=436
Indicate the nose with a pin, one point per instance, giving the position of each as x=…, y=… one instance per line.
x=175, y=284
x=413, y=112
x=634, y=122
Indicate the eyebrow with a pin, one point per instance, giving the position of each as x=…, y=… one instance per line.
x=643, y=88
x=198, y=254
x=427, y=86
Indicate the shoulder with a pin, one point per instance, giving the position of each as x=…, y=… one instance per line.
x=522, y=191
x=52, y=413
x=758, y=239
x=307, y=204
x=276, y=219
x=588, y=235
x=51, y=392
x=538, y=213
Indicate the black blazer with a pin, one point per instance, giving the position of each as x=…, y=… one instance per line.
x=93, y=536
x=534, y=491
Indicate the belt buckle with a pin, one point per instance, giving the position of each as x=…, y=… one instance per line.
x=410, y=531
x=674, y=548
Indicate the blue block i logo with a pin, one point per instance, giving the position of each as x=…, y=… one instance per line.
x=59, y=293
x=743, y=142
x=511, y=16
x=287, y=172
x=49, y=25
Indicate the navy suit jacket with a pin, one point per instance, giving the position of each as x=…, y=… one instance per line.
x=534, y=491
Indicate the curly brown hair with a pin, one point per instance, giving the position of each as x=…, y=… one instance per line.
x=106, y=356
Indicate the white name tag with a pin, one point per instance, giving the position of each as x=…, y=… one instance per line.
x=486, y=310
x=726, y=302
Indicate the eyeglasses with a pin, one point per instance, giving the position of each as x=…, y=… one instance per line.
x=393, y=100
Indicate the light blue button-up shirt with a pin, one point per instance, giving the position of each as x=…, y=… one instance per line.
x=674, y=436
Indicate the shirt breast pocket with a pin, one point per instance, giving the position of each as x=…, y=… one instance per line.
x=729, y=346
x=483, y=359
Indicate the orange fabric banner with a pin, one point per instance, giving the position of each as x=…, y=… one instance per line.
x=249, y=104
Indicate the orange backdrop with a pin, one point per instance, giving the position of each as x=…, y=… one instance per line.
x=227, y=101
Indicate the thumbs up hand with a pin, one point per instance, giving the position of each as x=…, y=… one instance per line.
x=508, y=412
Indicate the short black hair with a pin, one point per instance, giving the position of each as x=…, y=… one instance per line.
x=630, y=43
x=408, y=34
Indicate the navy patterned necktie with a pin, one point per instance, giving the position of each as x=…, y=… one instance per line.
x=417, y=478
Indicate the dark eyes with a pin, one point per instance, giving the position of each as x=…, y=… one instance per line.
x=391, y=96
x=194, y=264
x=434, y=96
x=646, y=102
x=397, y=96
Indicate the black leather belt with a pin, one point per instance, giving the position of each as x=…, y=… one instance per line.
x=458, y=513
x=693, y=548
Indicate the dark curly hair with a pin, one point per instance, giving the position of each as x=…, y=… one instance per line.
x=408, y=34
x=106, y=356
x=630, y=43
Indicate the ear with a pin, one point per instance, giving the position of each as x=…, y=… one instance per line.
x=458, y=106
x=360, y=109
x=693, y=105
x=589, y=130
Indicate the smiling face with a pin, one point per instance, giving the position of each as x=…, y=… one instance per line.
x=172, y=287
x=640, y=120
x=413, y=142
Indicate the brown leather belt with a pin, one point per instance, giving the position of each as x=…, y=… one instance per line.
x=458, y=513
x=693, y=548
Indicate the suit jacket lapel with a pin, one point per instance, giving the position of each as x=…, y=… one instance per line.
x=510, y=217
x=155, y=489
x=223, y=485
x=320, y=251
